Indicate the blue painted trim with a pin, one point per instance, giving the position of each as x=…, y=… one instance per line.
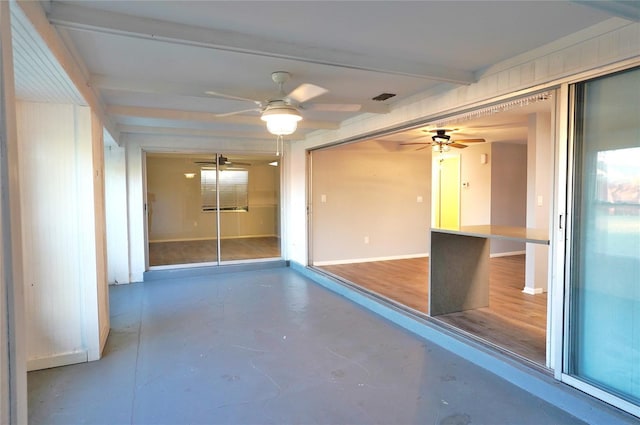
x=209, y=270
x=545, y=387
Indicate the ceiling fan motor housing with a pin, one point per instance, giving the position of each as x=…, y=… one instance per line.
x=441, y=137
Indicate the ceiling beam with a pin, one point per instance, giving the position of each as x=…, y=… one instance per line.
x=105, y=82
x=196, y=116
x=195, y=132
x=82, y=18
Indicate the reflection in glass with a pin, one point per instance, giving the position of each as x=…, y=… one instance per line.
x=605, y=273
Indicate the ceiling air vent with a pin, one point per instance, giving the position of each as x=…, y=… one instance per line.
x=383, y=96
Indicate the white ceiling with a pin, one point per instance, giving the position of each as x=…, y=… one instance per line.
x=152, y=61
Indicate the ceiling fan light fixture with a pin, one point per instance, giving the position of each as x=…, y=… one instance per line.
x=441, y=138
x=281, y=119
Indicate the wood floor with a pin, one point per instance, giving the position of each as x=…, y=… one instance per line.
x=514, y=321
x=186, y=252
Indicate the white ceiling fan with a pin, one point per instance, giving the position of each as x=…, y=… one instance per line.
x=282, y=112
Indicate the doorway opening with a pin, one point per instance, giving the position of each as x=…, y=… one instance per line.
x=211, y=209
x=446, y=191
x=375, y=203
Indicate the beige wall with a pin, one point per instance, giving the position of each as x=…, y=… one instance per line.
x=508, y=191
x=175, y=208
x=371, y=191
x=475, y=200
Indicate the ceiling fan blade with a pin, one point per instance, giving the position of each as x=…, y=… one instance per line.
x=424, y=147
x=333, y=107
x=228, y=96
x=305, y=92
x=228, y=114
x=470, y=141
x=415, y=143
x=458, y=145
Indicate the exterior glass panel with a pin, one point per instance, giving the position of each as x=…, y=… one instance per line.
x=604, y=342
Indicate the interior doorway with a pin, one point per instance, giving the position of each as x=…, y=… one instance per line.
x=446, y=191
x=211, y=208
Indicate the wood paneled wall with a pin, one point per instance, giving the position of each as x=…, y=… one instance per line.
x=63, y=257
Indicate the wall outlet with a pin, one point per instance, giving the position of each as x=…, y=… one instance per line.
x=465, y=184
x=419, y=199
x=323, y=198
x=366, y=239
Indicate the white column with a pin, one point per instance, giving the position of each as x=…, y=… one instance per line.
x=115, y=174
x=137, y=221
x=539, y=172
x=13, y=376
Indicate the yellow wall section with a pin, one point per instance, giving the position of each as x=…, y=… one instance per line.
x=448, y=212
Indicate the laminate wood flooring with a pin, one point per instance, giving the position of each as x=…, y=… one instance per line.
x=514, y=321
x=404, y=281
x=202, y=251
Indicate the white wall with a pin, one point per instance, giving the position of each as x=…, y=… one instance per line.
x=617, y=42
x=116, y=214
x=371, y=193
x=63, y=254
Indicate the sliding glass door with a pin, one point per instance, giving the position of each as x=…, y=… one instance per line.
x=212, y=208
x=603, y=348
x=181, y=219
x=249, y=208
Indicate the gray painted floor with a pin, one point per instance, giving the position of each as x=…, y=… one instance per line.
x=269, y=347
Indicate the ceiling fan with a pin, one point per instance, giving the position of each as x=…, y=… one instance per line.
x=222, y=161
x=282, y=112
x=442, y=142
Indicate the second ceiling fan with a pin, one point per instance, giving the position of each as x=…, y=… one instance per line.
x=442, y=142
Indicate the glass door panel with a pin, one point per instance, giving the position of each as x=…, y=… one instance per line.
x=604, y=342
x=249, y=189
x=181, y=214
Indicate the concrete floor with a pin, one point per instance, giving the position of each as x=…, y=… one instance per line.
x=269, y=347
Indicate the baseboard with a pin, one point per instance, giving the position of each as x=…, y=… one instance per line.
x=209, y=238
x=198, y=270
x=57, y=360
x=369, y=260
x=533, y=291
x=507, y=254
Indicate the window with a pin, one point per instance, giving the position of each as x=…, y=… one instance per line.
x=233, y=188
